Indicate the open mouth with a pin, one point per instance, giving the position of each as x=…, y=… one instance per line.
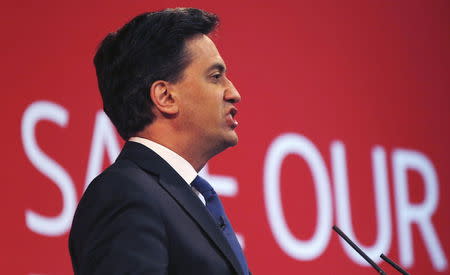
x=233, y=112
x=230, y=118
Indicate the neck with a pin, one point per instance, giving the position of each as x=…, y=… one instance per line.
x=181, y=143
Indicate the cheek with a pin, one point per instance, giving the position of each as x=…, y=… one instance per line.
x=215, y=106
x=203, y=104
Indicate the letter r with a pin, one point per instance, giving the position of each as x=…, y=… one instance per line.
x=408, y=213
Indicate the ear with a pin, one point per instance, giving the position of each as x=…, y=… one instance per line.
x=162, y=98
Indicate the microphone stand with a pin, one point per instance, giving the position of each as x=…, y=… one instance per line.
x=369, y=260
x=360, y=252
x=391, y=262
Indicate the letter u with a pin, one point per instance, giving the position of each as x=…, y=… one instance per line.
x=383, y=213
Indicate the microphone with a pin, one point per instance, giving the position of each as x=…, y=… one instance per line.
x=360, y=252
x=391, y=262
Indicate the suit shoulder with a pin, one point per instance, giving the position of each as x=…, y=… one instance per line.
x=122, y=177
x=123, y=183
x=122, y=200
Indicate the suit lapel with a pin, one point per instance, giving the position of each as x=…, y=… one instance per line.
x=195, y=208
x=181, y=193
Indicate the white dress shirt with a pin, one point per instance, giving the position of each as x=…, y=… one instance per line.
x=178, y=163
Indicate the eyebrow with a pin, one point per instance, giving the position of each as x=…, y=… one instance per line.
x=217, y=66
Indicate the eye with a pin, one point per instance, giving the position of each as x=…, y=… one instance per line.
x=216, y=76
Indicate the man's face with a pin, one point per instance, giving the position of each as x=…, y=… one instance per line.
x=206, y=97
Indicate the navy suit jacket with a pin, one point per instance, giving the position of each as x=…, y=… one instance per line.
x=140, y=217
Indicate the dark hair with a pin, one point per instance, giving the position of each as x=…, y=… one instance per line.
x=150, y=47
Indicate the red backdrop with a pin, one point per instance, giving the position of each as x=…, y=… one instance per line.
x=344, y=120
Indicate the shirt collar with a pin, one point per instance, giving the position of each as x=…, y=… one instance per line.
x=178, y=163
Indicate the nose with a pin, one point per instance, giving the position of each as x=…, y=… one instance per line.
x=231, y=93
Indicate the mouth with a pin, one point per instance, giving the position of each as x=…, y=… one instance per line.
x=230, y=118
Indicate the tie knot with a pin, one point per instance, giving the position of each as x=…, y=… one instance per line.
x=203, y=187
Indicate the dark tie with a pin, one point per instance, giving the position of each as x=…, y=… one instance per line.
x=216, y=210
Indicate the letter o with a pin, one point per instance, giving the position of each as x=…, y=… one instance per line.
x=283, y=145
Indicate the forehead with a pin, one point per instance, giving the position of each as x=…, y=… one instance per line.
x=203, y=52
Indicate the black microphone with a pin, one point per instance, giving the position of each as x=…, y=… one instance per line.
x=355, y=247
x=391, y=262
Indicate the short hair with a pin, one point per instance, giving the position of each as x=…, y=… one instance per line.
x=150, y=47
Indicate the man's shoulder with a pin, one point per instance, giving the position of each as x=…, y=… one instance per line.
x=122, y=176
x=122, y=192
x=122, y=169
x=120, y=185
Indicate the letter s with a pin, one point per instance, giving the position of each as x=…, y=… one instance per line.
x=58, y=225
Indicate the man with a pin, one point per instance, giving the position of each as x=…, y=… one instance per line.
x=164, y=87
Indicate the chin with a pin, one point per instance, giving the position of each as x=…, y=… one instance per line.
x=225, y=141
x=232, y=139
